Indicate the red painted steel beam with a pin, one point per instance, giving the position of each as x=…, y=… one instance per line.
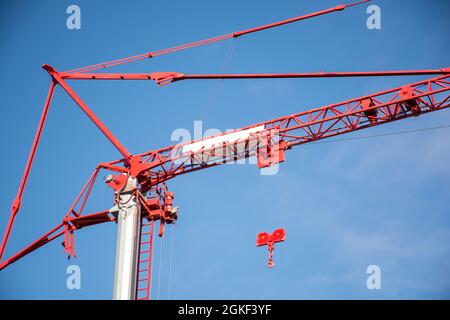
x=236, y=34
x=90, y=219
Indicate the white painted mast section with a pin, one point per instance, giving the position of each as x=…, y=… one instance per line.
x=127, y=243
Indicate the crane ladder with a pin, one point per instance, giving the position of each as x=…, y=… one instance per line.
x=145, y=254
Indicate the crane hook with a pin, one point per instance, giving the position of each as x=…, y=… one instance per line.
x=264, y=238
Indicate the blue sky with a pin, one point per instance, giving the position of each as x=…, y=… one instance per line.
x=344, y=205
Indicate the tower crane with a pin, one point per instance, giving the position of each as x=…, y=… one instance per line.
x=140, y=181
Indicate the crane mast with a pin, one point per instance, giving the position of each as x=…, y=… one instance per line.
x=139, y=181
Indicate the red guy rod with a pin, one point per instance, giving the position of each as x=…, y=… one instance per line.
x=163, y=78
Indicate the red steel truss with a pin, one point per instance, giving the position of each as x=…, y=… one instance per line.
x=266, y=142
